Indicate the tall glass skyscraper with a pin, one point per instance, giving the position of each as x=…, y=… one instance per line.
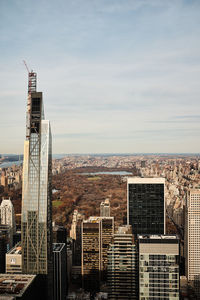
x=36, y=195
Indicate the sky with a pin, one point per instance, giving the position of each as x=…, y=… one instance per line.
x=117, y=76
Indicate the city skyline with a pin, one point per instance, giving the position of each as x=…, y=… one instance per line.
x=119, y=77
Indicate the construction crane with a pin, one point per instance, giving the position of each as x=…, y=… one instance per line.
x=32, y=79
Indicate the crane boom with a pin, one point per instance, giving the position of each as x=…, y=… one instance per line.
x=32, y=79
x=26, y=66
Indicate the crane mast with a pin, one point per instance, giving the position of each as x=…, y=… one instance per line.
x=32, y=79
x=32, y=83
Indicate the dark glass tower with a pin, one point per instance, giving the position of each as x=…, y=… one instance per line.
x=146, y=205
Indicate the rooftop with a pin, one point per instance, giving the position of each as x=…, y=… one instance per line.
x=57, y=247
x=150, y=180
x=158, y=236
x=96, y=219
x=13, y=284
x=17, y=249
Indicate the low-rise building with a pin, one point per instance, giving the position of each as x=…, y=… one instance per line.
x=19, y=287
x=14, y=260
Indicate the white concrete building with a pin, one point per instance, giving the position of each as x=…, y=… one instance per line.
x=7, y=214
x=105, y=208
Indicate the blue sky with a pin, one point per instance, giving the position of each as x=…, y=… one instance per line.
x=116, y=75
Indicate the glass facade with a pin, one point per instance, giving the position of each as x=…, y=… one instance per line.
x=36, y=198
x=146, y=208
x=158, y=268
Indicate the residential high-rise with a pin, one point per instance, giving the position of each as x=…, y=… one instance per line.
x=4, y=178
x=122, y=266
x=146, y=205
x=7, y=214
x=158, y=267
x=36, y=220
x=192, y=239
x=97, y=233
x=105, y=208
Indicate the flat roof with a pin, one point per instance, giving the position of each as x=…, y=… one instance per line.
x=194, y=191
x=96, y=219
x=14, y=284
x=147, y=180
x=57, y=247
x=158, y=236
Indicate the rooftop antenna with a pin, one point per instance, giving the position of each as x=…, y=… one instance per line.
x=32, y=79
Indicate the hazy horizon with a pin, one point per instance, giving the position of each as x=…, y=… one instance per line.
x=114, y=153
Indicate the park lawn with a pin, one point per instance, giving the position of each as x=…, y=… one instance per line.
x=57, y=203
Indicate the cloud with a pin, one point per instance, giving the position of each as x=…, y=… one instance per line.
x=180, y=119
x=124, y=72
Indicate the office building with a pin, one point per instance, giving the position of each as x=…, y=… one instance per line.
x=158, y=267
x=97, y=234
x=59, y=271
x=192, y=239
x=107, y=232
x=59, y=234
x=91, y=254
x=146, y=205
x=17, y=237
x=3, y=249
x=105, y=208
x=7, y=232
x=122, y=266
x=36, y=219
x=75, y=234
x=14, y=260
x=7, y=214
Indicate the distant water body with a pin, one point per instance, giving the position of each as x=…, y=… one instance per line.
x=11, y=163
x=122, y=173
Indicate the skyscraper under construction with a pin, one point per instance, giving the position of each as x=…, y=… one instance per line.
x=36, y=195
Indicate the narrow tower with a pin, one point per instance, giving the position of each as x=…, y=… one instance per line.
x=192, y=239
x=36, y=195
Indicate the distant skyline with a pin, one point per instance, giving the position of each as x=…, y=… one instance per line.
x=117, y=76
